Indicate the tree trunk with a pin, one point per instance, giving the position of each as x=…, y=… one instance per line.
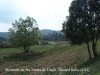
x=89, y=50
x=26, y=50
x=94, y=49
x=94, y=37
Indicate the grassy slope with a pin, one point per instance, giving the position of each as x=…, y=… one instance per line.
x=49, y=56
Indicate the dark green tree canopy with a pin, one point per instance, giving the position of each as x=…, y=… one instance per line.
x=83, y=23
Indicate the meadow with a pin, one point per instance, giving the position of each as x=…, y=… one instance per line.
x=53, y=59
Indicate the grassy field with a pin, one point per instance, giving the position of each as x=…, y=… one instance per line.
x=54, y=59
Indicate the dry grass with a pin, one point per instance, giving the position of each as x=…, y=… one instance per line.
x=58, y=55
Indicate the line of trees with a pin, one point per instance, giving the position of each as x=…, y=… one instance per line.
x=54, y=36
x=4, y=43
x=83, y=23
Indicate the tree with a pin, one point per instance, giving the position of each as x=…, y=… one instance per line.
x=82, y=24
x=23, y=33
x=5, y=44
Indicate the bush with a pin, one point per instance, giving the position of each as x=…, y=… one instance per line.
x=45, y=42
x=5, y=44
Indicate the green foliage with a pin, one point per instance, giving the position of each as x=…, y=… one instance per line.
x=44, y=42
x=54, y=36
x=83, y=23
x=5, y=44
x=74, y=27
x=24, y=34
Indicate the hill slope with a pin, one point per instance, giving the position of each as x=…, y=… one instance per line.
x=44, y=32
x=4, y=34
x=59, y=56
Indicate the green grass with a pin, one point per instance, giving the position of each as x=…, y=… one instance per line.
x=58, y=55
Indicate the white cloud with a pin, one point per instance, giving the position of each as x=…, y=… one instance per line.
x=4, y=27
x=49, y=14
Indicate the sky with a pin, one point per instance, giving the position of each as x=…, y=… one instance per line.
x=49, y=14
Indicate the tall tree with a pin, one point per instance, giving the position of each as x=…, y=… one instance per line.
x=82, y=24
x=23, y=33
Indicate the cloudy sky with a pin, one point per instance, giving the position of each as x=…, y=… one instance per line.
x=49, y=14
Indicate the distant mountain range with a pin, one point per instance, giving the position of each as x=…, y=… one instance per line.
x=4, y=34
x=44, y=32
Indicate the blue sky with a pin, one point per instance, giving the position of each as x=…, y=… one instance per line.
x=49, y=14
